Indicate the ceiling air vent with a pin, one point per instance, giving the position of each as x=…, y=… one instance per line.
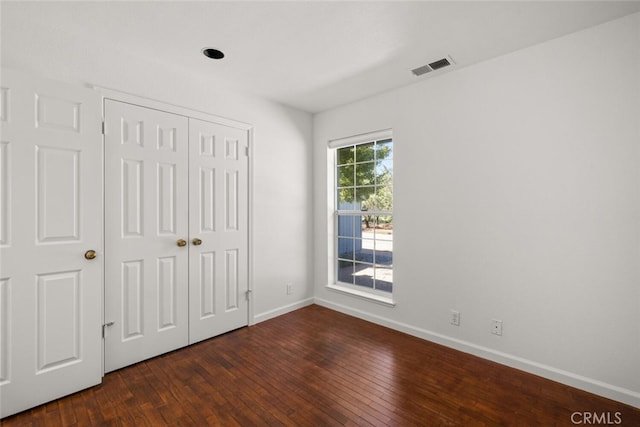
x=432, y=66
x=421, y=70
x=444, y=62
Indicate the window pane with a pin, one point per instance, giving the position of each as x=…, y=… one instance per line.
x=384, y=253
x=345, y=271
x=367, y=232
x=384, y=198
x=365, y=173
x=346, y=226
x=384, y=279
x=364, y=250
x=345, y=176
x=384, y=149
x=345, y=155
x=385, y=223
x=367, y=224
x=345, y=248
x=365, y=152
x=384, y=241
x=364, y=196
x=346, y=199
x=384, y=172
x=363, y=275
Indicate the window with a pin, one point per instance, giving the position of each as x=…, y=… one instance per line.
x=364, y=216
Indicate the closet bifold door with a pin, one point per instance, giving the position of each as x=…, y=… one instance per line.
x=218, y=224
x=50, y=241
x=146, y=233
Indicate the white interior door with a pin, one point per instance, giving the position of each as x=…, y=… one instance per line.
x=146, y=217
x=218, y=223
x=50, y=216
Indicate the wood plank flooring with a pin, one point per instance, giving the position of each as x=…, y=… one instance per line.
x=317, y=367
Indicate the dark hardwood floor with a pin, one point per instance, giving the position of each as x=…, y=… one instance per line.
x=317, y=367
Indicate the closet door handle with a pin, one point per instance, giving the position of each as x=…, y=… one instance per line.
x=182, y=242
x=90, y=254
x=196, y=242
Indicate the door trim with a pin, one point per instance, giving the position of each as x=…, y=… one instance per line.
x=170, y=108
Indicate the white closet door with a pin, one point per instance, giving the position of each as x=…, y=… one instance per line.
x=50, y=216
x=146, y=271
x=218, y=206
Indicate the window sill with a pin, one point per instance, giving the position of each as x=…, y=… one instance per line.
x=361, y=294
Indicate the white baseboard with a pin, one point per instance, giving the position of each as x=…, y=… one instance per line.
x=590, y=385
x=261, y=317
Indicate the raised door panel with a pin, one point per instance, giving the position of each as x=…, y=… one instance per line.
x=167, y=293
x=59, y=113
x=57, y=194
x=207, y=200
x=132, y=307
x=5, y=193
x=132, y=211
x=232, y=287
x=58, y=315
x=167, y=206
x=4, y=104
x=206, y=285
x=231, y=200
x=5, y=316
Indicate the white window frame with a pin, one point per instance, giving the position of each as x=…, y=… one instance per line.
x=374, y=295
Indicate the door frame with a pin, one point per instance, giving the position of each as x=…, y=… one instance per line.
x=200, y=115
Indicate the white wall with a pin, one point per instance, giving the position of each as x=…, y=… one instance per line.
x=282, y=177
x=517, y=197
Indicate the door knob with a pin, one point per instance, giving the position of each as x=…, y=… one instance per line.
x=90, y=254
x=182, y=242
x=197, y=241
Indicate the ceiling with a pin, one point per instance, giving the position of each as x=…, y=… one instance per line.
x=310, y=55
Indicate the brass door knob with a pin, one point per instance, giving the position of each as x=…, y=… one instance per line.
x=182, y=242
x=90, y=254
x=197, y=241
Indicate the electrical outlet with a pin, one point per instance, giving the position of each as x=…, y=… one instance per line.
x=289, y=288
x=455, y=317
x=496, y=327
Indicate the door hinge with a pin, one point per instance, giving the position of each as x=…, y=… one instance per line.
x=104, y=327
x=246, y=151
x=248, y=294
x=103, y=128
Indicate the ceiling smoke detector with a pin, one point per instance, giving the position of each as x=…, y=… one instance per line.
x=433, y=66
